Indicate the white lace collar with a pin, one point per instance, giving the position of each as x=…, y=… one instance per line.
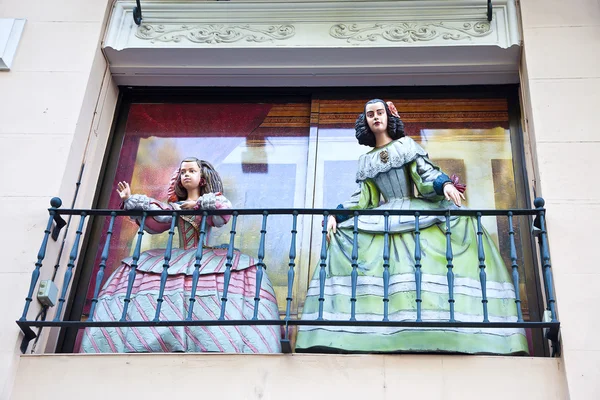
x=399, y=153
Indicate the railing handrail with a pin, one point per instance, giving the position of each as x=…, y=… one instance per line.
x=300, y=211
x=290, y=321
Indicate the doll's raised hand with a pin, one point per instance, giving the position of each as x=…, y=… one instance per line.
x=452, y=193
x=124, y=190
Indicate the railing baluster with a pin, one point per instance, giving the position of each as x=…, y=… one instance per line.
x=551, y=327
x=35, y=275
x=133, y=268
x=386, y=265
x=482, y=274
x=165, y=272
x=102, y=267
x=197, y=264
x=291, y=273
x=70, y=266
x=418, y=274
x=514, y=266
x=449, y=266
x=354, y=273
x=545, y=255
x=323, y=265
x=260, y=265
x=286, y=346
x=227, y=274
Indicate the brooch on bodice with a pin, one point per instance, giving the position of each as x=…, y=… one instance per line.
x=384, y=156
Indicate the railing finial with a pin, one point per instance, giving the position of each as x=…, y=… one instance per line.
x=55, y=202
x=539, y=202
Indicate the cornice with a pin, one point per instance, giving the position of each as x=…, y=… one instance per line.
x=310, y=11
x=331, y=29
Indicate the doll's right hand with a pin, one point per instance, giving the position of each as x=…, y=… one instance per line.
x=453, y=194
x=124, y=190
x=331, y=227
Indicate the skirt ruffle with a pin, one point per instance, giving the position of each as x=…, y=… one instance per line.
x=143, y=305
x=402, y=295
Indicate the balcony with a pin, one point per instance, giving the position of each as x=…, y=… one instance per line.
x=549, y=324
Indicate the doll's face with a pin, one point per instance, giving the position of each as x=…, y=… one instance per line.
x=190, y=175
x=376, y=117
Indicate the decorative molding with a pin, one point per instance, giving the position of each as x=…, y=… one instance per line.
x=313, y=43
x=214, y=33
x=327, y=23
x=410, y=32
x=11, y=30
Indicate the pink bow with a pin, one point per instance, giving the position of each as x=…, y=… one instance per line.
x=392, y=108
x=456, y=182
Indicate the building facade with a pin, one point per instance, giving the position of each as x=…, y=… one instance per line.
x=80, y=69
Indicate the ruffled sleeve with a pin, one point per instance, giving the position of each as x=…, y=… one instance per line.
x=364, y=197
x=214, y=201
x=428, y=178
x=154, y=224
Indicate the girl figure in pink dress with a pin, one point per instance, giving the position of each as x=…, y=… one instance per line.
x=196, y=185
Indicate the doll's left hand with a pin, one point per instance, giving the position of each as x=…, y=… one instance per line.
x=188, y=205
x=453, y=194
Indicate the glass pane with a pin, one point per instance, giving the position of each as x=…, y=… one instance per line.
x=466, y=137
x=260, y=151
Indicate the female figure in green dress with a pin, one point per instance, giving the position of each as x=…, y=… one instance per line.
x=390, y=170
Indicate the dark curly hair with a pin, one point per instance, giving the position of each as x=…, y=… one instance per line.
x=366, y=137
x=213, y=180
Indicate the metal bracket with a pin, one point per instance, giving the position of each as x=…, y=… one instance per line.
x=552, y=335
x=59, y=222
x=137, y=13
x=28, y=336
x=489, y=10
x=286, y=346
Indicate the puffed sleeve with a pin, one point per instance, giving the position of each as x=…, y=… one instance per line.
x=214, y=201
x=154, y=224
x=365, y=196
x=428, y=178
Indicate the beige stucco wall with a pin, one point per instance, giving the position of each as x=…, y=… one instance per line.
x=51, y=107
x=290, y=377
x=562, y=91
x=56, y=107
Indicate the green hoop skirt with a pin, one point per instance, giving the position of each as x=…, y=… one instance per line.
x=402, y=295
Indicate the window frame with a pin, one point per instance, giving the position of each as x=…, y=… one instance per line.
x=132, y=95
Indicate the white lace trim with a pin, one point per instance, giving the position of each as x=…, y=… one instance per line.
x=400, y=153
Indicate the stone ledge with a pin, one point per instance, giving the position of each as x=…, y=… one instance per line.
x=291, y=377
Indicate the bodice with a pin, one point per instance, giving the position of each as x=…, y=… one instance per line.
x=189, y=234
x=394, y=184
x=389, y=167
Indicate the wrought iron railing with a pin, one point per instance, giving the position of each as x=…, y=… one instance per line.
x=549, y=323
